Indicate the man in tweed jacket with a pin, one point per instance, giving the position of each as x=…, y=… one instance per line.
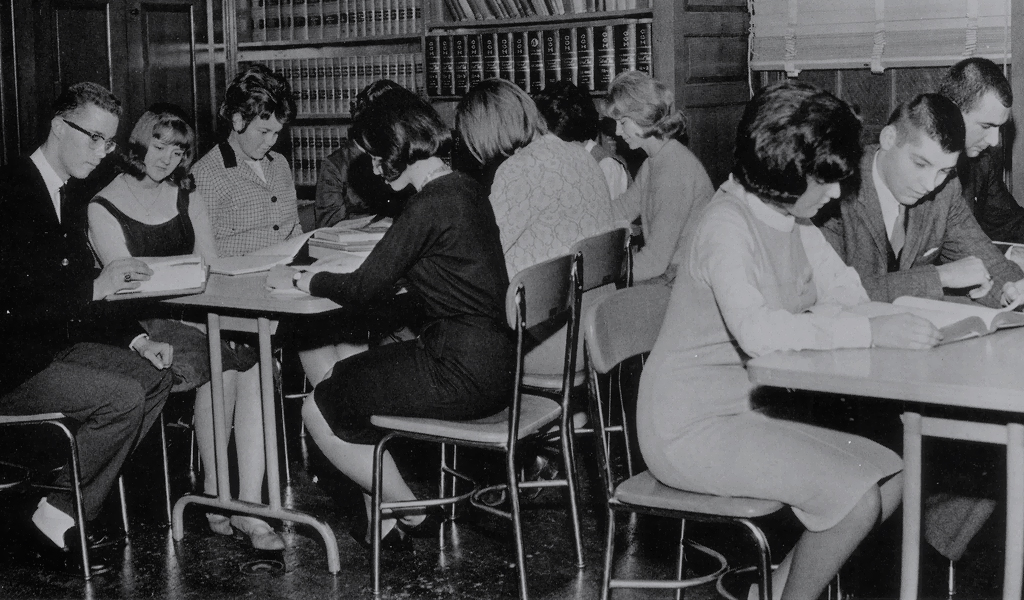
x=248, y=187
x=909, y=178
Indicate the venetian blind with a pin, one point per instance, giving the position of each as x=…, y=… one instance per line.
x=792, y=35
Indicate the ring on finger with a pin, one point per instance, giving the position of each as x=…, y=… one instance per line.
x=127, y=277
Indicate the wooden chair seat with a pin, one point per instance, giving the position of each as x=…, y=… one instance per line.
x=644, y=490
x=536, y=414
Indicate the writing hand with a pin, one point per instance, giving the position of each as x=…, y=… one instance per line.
x=120, y=274
x=903, y=331
x=967, y=272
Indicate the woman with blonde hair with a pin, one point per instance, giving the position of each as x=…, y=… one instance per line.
x=671, y=186
x=547, y=194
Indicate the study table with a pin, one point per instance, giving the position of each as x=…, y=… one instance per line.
x=984, y=373
x=245, y=297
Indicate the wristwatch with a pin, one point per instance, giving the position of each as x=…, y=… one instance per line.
x=295, y=279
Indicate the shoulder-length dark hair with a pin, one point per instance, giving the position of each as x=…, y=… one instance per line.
x=258, y=92
x=400, y=129
x=790, y=131
x=169, y=124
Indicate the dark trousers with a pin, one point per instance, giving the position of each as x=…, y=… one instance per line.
x=114, y=396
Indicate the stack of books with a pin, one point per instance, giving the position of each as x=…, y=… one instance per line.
x=590, y=56
x=468, y=10
x=356, y=236
x=299, y=20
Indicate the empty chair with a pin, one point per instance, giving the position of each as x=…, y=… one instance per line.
x=545, y=294
x=620, y=326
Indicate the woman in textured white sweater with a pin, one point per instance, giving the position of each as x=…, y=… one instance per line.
x=757, y=277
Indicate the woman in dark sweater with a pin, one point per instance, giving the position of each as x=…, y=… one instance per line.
x=445, y=248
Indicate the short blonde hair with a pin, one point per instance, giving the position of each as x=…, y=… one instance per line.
x=648, y=102
x=496, y=118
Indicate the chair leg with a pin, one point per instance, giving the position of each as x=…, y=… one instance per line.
x=167, y=471
x=375, y=516
x=517, y=525
x=569, y=460
x=449, y=482
x=124, y=504
x=76, y=486
x=764, y=558
x=609, y=554
x=681, y=557
x=284, y=424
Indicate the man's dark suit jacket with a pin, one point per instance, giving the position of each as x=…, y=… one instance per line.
x=47, y=270
x=940, y=229
x=992, y=203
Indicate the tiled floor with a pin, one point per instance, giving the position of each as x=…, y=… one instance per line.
x=474, y=561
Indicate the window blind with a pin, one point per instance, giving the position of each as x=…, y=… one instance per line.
x=792, y=35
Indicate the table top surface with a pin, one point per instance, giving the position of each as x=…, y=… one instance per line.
x=986, y=372
x=249, y=293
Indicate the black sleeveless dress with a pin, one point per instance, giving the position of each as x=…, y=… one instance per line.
x=191, y=366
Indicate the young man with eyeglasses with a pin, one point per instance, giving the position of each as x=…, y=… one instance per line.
x=67, y=350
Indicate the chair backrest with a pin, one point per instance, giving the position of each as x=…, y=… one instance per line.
x=619, y=326
x=624, y=324
x=604, y=255
x=541, y=295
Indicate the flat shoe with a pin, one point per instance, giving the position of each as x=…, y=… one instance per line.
x=220, y=524
x=262, y=536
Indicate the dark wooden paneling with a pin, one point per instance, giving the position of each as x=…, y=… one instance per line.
x=83, y=35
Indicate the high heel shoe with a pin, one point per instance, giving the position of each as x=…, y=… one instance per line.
x=262, y=536
x=219, y=524
x=395, y=540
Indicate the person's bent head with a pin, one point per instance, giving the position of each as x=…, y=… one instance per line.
x=496, y=118
x=569, y=111
x=919, y=147
x=399, y=131
x=82, y=129
x=372, y=92
x=642, y=108
x=257, y=105
x=162, y=146
x=795, y=144
x=978, y=87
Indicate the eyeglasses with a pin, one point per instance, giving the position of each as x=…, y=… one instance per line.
x=96, y=141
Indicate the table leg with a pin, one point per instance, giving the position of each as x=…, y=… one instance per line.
x=911, y=505
x=1014, y=561
x=273, y=510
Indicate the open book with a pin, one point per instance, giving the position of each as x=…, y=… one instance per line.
x=263, y=259
x=172, y=276
x=956, y=321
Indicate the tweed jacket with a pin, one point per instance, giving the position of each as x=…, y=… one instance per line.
x=940, y=229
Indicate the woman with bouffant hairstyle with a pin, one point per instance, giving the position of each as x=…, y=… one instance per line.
x=671, y=186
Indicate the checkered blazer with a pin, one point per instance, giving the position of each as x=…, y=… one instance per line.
x=247, y=213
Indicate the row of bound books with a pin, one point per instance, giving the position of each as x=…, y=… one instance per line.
x=326, y=86
x=479, y=10
x=300, y=20
x=310, y=145
x=588, y=56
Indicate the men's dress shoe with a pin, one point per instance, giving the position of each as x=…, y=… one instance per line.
x=66, y=560
x=99, y=539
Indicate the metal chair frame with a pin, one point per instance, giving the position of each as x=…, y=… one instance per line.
x=551, y=289
x=620, y=326
x=57, y=420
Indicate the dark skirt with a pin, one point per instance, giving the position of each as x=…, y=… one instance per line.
x=455, y=370
x=191, y=365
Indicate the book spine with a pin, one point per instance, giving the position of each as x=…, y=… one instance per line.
x=461, y=60
x=259, y=21
x=567, y=49
x=520, y=61
x=287, y=14
x=585, y=58
x=643, y=46
x=329, y=19
x=552, y=56
x=418, y=64
x=604, y=57
x=489, y=43
x=315, y=19
x=273, y=20
x=506, y=62
x=345, y=85
x=475, y=58
x=470, y=8
x=330, y=104
x=432, y=57
x=625, y=48
x=300, y=20
x=243, y=20
x=447, y=66
x=318, y=155
x=535, y=50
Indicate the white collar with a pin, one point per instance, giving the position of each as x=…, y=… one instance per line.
x=50, y=178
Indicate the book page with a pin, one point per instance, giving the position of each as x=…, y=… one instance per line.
x=171, y=274
x=942, y=313
x=339, y=262
x=289, y=247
